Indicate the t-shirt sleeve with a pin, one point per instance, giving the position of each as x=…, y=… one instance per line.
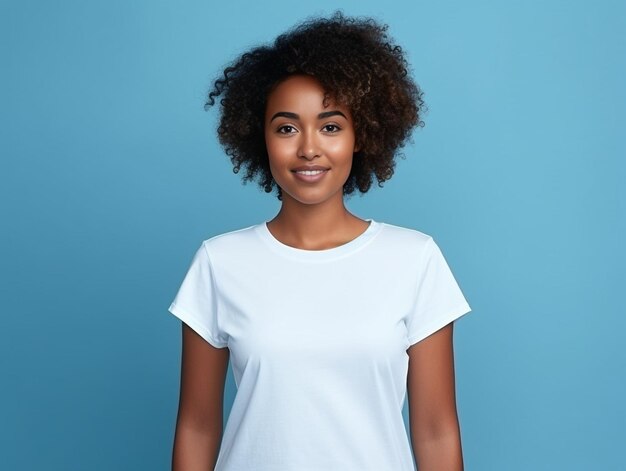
x=196, y=302
x=438, y=300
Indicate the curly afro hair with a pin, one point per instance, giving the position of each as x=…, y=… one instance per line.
x=358, y=66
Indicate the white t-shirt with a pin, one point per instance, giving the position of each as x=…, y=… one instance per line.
x=318, y=342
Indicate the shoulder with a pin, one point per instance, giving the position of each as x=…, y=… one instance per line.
x=234, y=241
x=405, y=237
x=400, y=245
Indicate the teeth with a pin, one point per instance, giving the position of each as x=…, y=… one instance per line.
x=310, y=172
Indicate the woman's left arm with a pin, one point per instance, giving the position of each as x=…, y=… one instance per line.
x=434, y=425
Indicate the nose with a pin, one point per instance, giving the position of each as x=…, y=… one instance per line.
x=309, y=146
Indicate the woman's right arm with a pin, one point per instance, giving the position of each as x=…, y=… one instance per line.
x=200, y=409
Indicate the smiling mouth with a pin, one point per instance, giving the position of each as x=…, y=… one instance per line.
x=310, y=176
x=309, y=172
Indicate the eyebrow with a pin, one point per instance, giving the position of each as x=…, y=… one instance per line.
x=325, y=114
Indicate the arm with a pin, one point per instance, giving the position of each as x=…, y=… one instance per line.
x=434, y=426
x=199, y=424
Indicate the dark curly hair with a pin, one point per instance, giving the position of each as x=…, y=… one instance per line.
x=358, y=66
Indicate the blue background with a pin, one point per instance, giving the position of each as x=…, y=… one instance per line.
x=112, y=176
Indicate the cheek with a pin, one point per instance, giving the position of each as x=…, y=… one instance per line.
x=275, y=145
x=270, y=146
x=342, y=148
x=279, y=151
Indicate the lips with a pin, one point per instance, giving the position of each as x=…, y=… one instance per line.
x=309, y=167
x=313, y=177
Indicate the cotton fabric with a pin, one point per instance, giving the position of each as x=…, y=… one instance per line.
x=318, y=342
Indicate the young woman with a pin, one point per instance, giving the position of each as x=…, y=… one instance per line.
x=328, y=319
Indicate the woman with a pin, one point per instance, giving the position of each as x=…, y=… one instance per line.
x=328, y=319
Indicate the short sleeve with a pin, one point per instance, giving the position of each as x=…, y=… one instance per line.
x=196, y=301
x=438, y=300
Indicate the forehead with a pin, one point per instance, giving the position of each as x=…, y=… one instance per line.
x=299, y=92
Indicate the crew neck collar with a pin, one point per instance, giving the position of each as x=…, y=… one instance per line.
x=319, y=255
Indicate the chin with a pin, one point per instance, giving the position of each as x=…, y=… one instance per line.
x=310, y=197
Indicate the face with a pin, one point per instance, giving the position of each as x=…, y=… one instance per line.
x=301, y=133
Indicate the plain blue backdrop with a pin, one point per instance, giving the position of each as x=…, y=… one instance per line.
x=112, y=176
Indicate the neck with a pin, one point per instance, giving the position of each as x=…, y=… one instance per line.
x=314, y=226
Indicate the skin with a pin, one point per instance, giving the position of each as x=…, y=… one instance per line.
x=313, y=217
x=201, y=403
x=433, y=421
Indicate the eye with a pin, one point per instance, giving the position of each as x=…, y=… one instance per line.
x=286, y=129
x=331, y=128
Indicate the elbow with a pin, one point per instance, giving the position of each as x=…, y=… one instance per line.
x=436, y=427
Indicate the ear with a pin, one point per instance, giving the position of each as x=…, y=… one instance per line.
x=356, y=148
